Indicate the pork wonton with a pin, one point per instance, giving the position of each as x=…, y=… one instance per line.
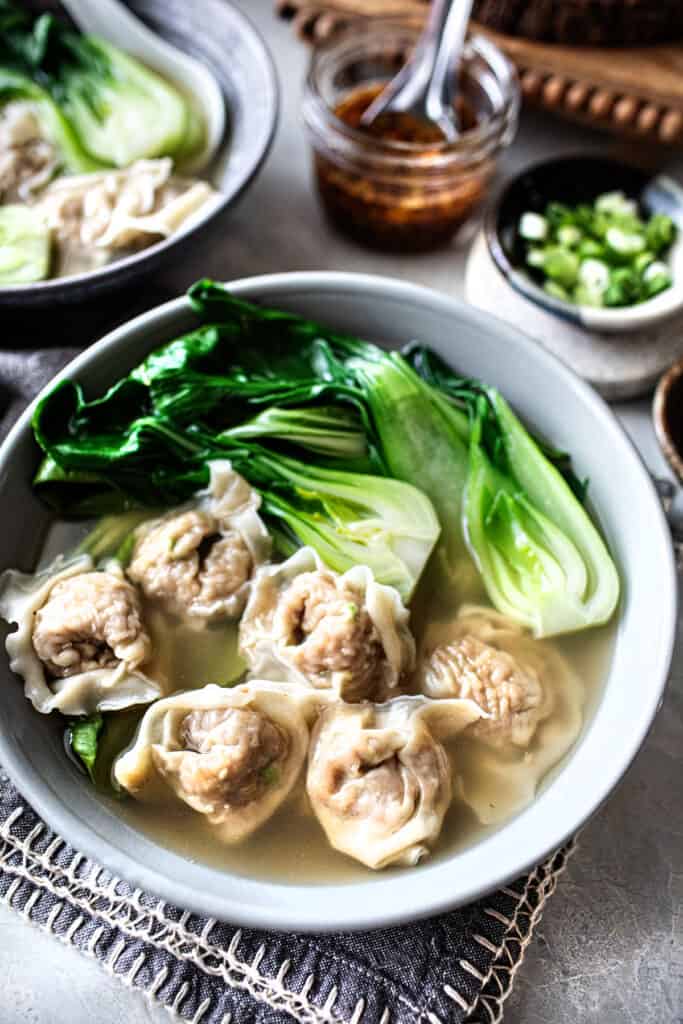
x=231, y=754
x=379, y=778
x=346, y=633
x=80, y=643
x=531, y=697
x=198, y=560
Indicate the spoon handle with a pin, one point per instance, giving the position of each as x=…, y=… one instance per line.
x=116, y=23
x=447, y=28
x=426, y=78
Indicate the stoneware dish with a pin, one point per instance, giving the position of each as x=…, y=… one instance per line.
x=581, y=179
x=667, y=415
x=555, y=403
x=223, y=39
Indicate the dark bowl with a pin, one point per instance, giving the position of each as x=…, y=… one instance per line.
x=573, y=180
x=223, y=39
x=667, y=414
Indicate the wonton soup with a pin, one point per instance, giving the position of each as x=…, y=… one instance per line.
x=290, y=644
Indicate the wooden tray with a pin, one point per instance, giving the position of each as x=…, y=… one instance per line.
x=634, y=92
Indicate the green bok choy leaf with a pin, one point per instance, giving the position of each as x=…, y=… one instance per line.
x=53, y=124
x=327, y=430
x=423, y=440
x=541, y=558
x=117, y=109
x=350, y=518
x=98, y=463
x=83, y=735
x=507, y=505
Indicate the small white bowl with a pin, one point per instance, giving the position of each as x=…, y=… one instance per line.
x=580, y=179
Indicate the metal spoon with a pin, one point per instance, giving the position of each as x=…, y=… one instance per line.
x=111, y=20
x=425, y=85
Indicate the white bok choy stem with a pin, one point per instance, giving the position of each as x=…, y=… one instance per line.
x=541, y=558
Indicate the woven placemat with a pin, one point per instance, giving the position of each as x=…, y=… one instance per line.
x=447, y=970
x=454, y=968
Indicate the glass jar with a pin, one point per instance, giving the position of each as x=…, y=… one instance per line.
x=393, y=194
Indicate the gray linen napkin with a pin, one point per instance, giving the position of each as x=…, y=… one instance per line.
x=446, y=970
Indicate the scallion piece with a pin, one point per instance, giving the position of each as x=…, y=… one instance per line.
x=599, y=254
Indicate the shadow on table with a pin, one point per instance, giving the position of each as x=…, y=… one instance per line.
x=77, y=325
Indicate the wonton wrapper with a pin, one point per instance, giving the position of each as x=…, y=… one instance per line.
x=232, y=504
x=379, y=779
x=270, y=658
x=151, y=769
x=102, y=689
x=27, y=161
x=122, y=208
x=498, y=779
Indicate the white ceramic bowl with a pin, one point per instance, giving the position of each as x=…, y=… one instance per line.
x=554, y=402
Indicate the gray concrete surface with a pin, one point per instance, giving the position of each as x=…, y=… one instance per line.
x=609, y=949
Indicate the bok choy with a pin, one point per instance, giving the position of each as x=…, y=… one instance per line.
x=425, y=444
x=327, y=430
x=261, y=386
x=120, y=110
x=98, y=463
x=54, y=126
x=541, y=558
x=102, y=107
x=351, y=518
x=82, y=735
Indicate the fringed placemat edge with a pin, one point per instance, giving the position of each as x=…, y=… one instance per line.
x=128, y=920
x=142, y=919
x=489, y=1006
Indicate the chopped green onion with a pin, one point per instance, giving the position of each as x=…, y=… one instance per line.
x=557, y=291
x=590, y=249
x=558, y=214
x=533, y=227
x=616, y=203
x=569, y=235
x=642, y=261
x=535, y=257
x=561, y=266
x=624, y=243
x=656, y=269
x=594, y=274
x=656, y=278
x=585, y=296
x=624, y=287
x=604, y=254
x=24, y=245
x=660, y=232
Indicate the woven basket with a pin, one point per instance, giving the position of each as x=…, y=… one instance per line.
x=581, y=22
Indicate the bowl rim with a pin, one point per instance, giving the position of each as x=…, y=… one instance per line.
x=660, y=403
x=628, y=318
x=399, y=903
x=72, y=286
